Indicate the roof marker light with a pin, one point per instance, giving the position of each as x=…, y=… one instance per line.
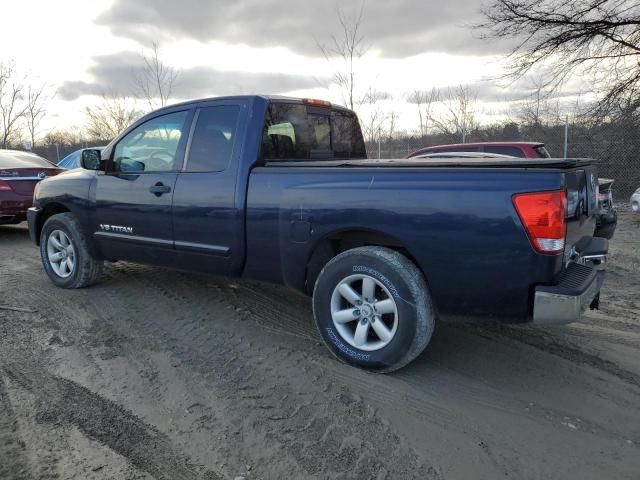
x=316, y=102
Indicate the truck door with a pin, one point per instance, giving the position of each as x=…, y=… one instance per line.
x=133, y=202
x=209, y=197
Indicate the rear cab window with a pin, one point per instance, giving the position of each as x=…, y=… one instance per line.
x=295, y=131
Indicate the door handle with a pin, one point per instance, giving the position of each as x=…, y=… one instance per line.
x=159, y=188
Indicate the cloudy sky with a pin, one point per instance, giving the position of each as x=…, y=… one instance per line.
x=82, y=49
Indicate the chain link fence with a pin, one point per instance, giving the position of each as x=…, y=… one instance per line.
x=616, y=148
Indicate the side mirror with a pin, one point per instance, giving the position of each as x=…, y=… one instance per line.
x=129, y=165
x=90, y=159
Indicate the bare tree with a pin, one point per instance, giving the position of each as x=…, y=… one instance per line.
x=424, y=101
x=156, y=81
x=35, y=110
x=391, y=124
x=68, y=137
x=348, y=47
x=373, y=117
x=531, y=110
x=12, y=106
x=459, y=116
x=571, y=37
x=108, y=118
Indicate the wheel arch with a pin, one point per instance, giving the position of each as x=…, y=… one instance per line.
x=339, y=241
x=49, y=210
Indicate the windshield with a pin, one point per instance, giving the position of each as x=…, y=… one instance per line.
x=542, y=151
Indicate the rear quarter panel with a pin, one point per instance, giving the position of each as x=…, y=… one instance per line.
x=459, y=225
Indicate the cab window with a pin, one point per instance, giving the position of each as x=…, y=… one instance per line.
x=212, y=141
x=301, y=132
x=152, y=146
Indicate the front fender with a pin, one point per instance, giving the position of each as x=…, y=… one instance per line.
x=71, y=191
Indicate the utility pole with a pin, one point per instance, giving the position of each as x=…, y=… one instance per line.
x=566, y=135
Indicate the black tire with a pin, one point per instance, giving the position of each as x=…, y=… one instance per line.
x=87, y=269
x=404, y=283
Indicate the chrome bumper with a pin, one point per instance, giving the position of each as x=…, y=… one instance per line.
x=32, y=220
x=578, y=288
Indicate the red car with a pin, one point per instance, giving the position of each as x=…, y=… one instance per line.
x=512, y=149
x=19, y=174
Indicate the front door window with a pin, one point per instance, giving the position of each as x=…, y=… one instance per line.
x=152, y=146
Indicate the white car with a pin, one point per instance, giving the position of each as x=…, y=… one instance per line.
x=635, y=201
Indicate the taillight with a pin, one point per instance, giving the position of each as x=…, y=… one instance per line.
x=543, y=216
x=4, y=186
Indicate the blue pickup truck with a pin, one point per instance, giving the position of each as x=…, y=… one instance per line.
x=280, y=190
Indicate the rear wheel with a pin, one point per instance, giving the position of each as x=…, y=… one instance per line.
x=65, y=253
x=372, y=308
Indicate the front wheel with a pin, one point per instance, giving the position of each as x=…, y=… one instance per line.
x=65, y=253
x=373, y=309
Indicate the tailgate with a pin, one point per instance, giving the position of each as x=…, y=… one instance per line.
x=582, y=206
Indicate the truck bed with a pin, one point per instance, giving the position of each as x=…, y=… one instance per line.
x=448, y=162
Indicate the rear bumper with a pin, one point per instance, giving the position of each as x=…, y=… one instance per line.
x=578, y=288
x=14, y=206
x=32, y=219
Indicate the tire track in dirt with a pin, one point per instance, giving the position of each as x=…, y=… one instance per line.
x=257, y=306
x=325, y=429
x=13, y=464
x=559, y=346
x=615, y=324
x=101, y=420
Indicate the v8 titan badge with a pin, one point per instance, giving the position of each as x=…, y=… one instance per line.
x=115, y=228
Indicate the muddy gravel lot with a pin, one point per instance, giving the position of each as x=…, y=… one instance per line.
x=161, y=374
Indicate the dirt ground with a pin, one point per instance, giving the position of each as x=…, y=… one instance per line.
x=160, y=374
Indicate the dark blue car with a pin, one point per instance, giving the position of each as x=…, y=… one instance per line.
x=72, y=160
x=280, y=190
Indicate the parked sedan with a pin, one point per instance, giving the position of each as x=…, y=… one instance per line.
x=73, y=159
x=510, y=149
x=19, y=173
x=635, y=201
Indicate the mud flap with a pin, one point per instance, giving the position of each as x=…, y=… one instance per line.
x=595, y=304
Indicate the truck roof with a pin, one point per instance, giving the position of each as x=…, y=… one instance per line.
x=269, y=98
